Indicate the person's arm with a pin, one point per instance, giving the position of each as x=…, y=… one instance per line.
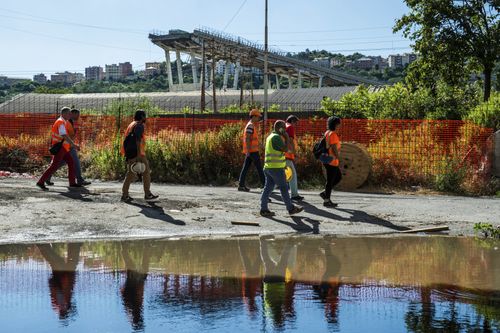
x=138, y=131
x=279, y=144
x=248, y=140
x=335, y=151
x=64, y=134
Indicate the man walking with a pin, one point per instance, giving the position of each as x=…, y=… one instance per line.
x=251, y=150
x=134, y=137
x=74, y=117
x=291, y=123
x=274, y=170
x=60, y=138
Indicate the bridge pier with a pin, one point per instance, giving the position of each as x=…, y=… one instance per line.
x=180, y=76
x=236, y=75
x=277, y=81
x=194, y=68
x=299, y=83
x=226, y=74
x=169, y=69
x=320, y=81
x=289, y=81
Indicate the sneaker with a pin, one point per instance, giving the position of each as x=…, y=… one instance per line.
x=267, y=213
x=42, y=186
x=330, y=204
x=323, y=195
x=151, y=196
x=126, y=198
x=297, y=198
x=75, y=185
x=49, y=183
x=295, y=210
x=243, y=189
x=85, y=183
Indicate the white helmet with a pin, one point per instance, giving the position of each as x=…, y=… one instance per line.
x=138, y=167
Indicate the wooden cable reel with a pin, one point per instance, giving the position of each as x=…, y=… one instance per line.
x=355, y=165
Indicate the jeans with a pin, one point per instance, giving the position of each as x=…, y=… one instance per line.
x=333, y=177
x=56, y=164
x=275, y=177
x=77, y=166
x=255, y=158
x=130, y=176
x=294, y=188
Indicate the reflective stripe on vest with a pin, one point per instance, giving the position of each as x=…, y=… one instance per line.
x=274, y=159
x=254, y=140
x=56, y=137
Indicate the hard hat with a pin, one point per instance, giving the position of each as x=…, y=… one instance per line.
x=288, y=173
x=138, y=168
x=255, y=113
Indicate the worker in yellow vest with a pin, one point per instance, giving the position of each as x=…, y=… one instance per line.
x=134, y=150
x=251, y=150
x=274, y=170
x=61, y=145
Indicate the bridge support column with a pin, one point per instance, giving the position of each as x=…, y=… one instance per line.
x=180, y=76
x=289, y=81
x=236, y=75
x=299, y=83
x=277, y=81
x=226, y=74
x=169, y=69
x=194, y=68
x=320, y=81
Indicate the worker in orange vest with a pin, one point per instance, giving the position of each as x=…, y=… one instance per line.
x=134, y=150
x=251, y=150
x=330, y=160
x=61, y=144
x=291, y=123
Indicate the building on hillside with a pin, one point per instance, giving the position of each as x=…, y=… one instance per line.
x=66, y=78
x=322, y=61
x=125, y=69
x=10, y=81
x=94, y=73
x=220, y=67
x=379, y=63
x=152, y=68
x=40, y=78
x=400, y=61
x=112, y=72
x=334, y=62
x=363, y=63
x=408, y=58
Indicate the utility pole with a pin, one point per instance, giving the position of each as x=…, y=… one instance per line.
x=266, y=79
x=202, y=102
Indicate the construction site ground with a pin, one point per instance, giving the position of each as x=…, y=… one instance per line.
x=28, y=214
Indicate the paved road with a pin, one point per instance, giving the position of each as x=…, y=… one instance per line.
x=28, y=214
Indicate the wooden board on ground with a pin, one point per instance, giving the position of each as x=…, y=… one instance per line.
x=355, y=165
x=255, y=224
x=426, y=229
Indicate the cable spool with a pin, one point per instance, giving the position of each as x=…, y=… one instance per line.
x=355, y=165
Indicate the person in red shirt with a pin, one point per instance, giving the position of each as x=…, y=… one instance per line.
x=291, y=123
x=331, y=161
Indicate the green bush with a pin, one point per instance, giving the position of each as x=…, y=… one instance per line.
x=487, y=114
x=451, y=179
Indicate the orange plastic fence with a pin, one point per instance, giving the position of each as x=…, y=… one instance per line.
x=419, y=144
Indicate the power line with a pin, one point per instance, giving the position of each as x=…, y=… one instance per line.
x=353, y=43
x=318, y=31
x=234, y=16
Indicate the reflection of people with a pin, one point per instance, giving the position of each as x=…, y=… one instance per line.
x=328, y=289
x=62, y=280
x=133, y=289
x=279, y=288
x=251, y=278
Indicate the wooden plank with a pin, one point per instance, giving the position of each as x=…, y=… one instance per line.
x=256, y=224
x=426, y=229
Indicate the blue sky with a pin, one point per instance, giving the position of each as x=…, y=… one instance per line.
x=57, y=35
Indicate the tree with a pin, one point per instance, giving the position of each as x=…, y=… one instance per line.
x=454, y=38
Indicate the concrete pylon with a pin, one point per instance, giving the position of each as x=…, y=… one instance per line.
x=277, y=81
x=194, y=68
x=236, y=75
x=289, y=81
x=179, y=67
x=226, y=74
x=169, y=69
x=320, y=81
x=299, y=83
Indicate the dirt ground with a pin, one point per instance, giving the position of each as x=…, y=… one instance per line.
x=28, y=214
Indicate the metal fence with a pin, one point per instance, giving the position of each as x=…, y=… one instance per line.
x=424, y=146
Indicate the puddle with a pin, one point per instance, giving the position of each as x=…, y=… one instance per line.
x=416, y=284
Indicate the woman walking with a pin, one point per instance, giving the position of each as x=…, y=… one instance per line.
x=330, y=160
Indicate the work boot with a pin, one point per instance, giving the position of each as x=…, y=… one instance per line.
x=295, y=210
x=266, y=213
x=49, y=183
x=42, y=186
x=126, y=198
x=330, y=204
x=150, y=196
x=243, y=189
x=297, y=198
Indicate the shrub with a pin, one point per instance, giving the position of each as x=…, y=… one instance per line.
x=487, y=114
x=450, y=180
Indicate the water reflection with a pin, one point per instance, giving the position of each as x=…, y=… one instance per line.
x=302, y=283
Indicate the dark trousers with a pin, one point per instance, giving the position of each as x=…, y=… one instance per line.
x=255, y=158
x=333, y=177
x=56, y=164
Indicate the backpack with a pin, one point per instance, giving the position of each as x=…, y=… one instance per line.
x=319, y=148
x=130, y=145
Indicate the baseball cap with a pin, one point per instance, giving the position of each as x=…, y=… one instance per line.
x=255, y=112
x=292, y=118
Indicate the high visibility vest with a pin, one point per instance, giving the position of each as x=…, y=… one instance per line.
x=329, y=136
x=274, y=159
x=142, y=145
x=56, y=137
x=289, y=155
x=254, y=140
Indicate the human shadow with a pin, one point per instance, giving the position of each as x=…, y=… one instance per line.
x=356, y=216
x=153, y=211
x=79, y=193
x=299, y=225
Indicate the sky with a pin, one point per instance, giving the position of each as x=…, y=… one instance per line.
x=57, y=35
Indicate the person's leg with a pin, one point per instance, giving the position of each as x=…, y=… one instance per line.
x=78, y=167
x=337, y=176
x=54, y=165
x=268, y=188
x=258, y=165
x=244, y=170
x=293, y=182
x=146, y=176
x=330, y=173
x=71, y=168
x=129, y=178
x=48, y=181
x=280, y=180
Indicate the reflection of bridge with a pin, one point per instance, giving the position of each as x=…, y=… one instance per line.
x=206, y=44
